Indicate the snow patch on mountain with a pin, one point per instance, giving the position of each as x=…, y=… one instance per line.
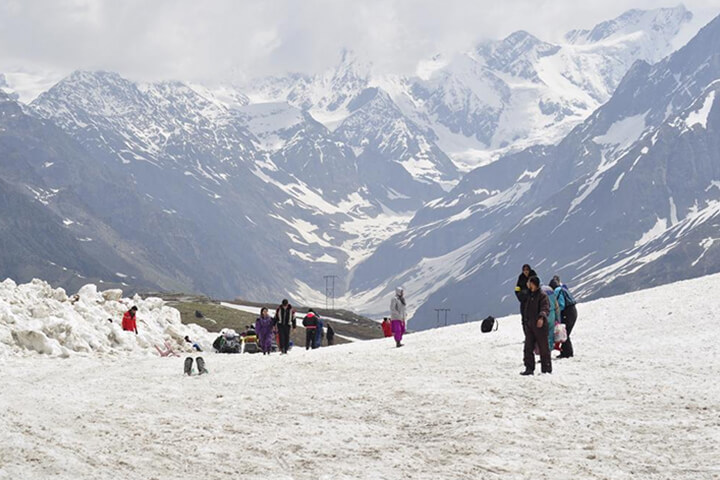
x=700, y=116
x=623, y=133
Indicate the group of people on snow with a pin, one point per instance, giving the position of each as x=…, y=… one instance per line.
x=278, y=328
x=543, y=308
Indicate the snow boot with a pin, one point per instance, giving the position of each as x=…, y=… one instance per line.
x=398, y=344
x=527, y=372
x=188, y=366
x=201, y=365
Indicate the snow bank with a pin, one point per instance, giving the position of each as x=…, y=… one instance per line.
x=36, y=318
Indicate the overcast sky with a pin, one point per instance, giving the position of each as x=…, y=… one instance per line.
x=207, y=40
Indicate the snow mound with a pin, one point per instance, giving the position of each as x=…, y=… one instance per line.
x=36, y=318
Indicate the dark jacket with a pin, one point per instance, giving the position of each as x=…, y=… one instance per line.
x=285, y=316
x=537, y=305
x=521, y=290
x=310, y=321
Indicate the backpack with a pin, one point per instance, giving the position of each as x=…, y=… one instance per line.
x=488, y=324
x=569, y=300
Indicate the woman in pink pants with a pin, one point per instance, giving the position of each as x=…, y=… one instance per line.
x=397, y=315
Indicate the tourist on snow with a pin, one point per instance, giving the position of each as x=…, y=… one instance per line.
x=553, y=315
x=535, y=327
x=284, y=319
x=129, y=322
x=386, y=327
x=397, y=315
x=568, y=314
x=264, y=329
x=194, y=345
x=521, y=289
x=319, y=334
x=310, y=322
x=330, y=334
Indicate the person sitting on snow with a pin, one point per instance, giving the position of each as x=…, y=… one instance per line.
x=129, y=323
x=194, y=345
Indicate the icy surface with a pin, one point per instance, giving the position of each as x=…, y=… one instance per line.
x=632, y=403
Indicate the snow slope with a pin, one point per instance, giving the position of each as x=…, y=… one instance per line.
x=450, y=404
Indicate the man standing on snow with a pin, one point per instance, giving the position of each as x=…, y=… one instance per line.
x=284, y=318
x=310, y=322
x=397, y=315
x=128, y=322
x=521, y=289
x=535, y=326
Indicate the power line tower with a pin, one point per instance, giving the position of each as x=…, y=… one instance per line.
x=330, y=290
x=438, y=310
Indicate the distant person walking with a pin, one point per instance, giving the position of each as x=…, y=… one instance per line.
x=264, y=329
x=310, y=322
x=521, y=289
x=129, y=322
x=330, y=334
x=284, y=319
x=386, y=328
x=398, y=315
x=535, y=327
x=568, y=314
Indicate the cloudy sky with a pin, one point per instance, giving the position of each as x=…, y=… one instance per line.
x=211, y=39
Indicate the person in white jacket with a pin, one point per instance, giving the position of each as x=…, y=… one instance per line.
x=397, y=315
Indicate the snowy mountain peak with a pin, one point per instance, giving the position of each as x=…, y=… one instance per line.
x=662, y=24
x=6, y=92
x=516, y=54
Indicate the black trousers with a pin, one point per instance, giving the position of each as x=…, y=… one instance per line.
x=568, y=317
x=539, y=336
x=309, y=338
x=284, y=332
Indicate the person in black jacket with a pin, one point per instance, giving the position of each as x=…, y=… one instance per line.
x=535, y=327
x=284, y=319
x=310, y=322
x=521, y=288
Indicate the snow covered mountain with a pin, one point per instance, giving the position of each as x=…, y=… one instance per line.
x=521, y=91
x=313, y=175
x=626, y=200
x=298, y=205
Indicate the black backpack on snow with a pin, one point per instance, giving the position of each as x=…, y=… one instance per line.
x=488, y=324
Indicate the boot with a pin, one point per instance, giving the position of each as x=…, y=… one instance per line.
x=398, y=344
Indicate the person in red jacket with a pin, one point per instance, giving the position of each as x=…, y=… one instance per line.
x=386, y=327
x=128, y=321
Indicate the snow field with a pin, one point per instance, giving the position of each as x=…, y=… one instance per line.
x=639, y=400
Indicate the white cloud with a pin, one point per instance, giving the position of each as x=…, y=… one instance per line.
x=192, y=40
